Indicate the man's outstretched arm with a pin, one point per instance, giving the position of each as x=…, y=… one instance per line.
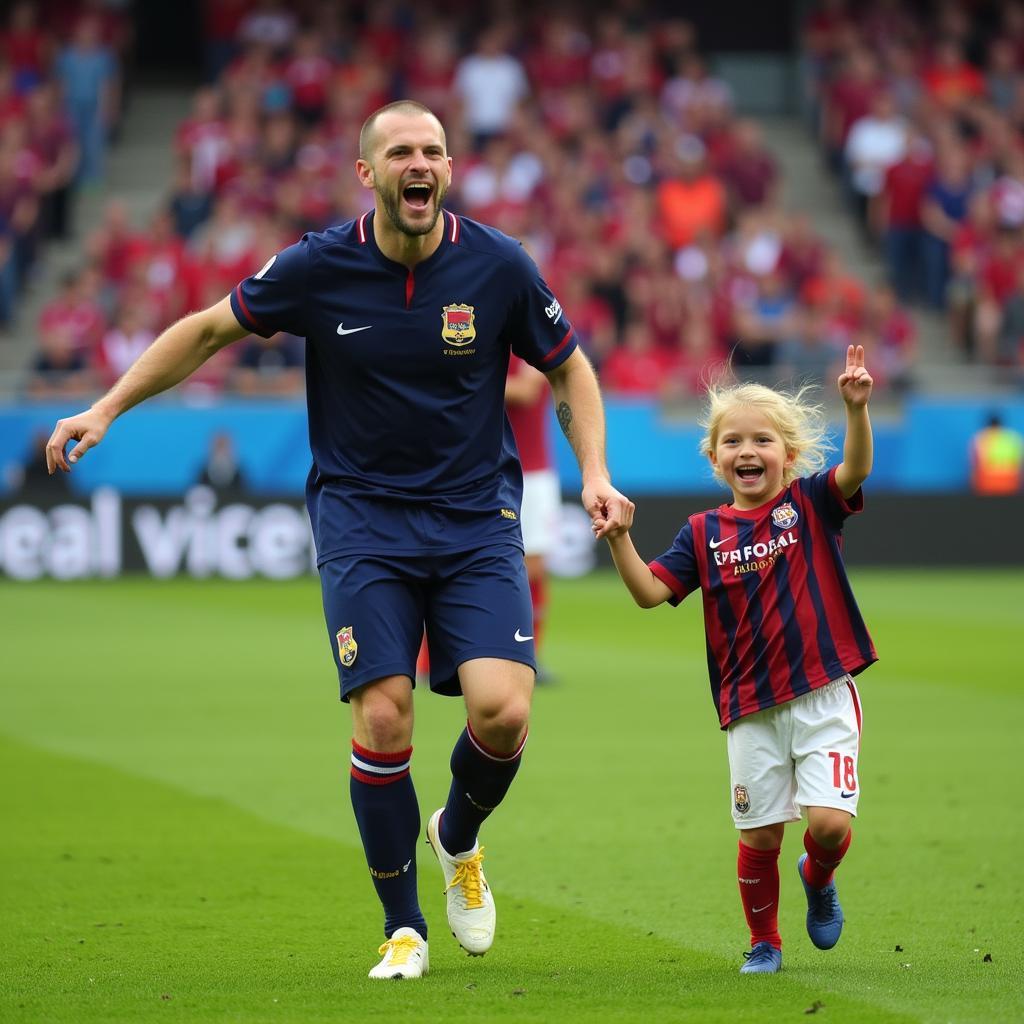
x=174, y=355
x=581, y=416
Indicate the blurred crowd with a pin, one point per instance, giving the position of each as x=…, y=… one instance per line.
x=599, y=136
x=59, y=102
x=922, y=117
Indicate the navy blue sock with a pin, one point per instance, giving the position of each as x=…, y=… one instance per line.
x=388, y=817
x=480, y=780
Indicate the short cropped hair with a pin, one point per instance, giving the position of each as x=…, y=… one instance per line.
x=401, y=106
x=800, y=422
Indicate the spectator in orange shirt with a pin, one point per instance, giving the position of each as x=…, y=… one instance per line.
x=693, y=202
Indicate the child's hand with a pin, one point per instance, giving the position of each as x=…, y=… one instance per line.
x=855, y=382
x=616, y=531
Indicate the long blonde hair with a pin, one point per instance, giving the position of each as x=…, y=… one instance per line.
x=800, y=422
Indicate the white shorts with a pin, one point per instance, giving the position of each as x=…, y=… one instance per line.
x=542, y=500
x=800, y=754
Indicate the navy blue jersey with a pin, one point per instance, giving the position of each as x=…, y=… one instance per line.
x=779, y=614
x=405, y=380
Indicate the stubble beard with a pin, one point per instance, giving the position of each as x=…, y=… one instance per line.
x=391, y=201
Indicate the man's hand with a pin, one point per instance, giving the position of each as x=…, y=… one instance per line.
x=87, y=428
x=855, y=382
x=611, y=513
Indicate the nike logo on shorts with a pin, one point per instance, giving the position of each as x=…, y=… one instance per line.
x=342, y=329
x=519, y=638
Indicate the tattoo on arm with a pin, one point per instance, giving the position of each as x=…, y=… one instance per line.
x=564, y=414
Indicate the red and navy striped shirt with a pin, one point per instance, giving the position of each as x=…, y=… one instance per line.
x=779, y=615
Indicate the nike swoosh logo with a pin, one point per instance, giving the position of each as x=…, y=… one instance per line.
x=757, y=910
x=713, y=544
x=342, y=329
x=846, y=796
x=519, y=638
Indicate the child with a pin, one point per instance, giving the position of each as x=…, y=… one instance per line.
x=784, y=635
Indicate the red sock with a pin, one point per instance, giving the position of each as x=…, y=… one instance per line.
x=758, y=873
x=821, y=861
x=539, y=599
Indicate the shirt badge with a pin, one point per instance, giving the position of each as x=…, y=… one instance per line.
x=347, y=646
x=784, y=515
x=457, y=327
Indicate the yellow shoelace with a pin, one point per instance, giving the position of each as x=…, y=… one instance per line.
x=469, y=878
x=401, y=949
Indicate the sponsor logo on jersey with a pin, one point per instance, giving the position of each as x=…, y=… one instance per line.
x=554, y=311
x=347, y=646
x=741, y=799
x=457, y=326
x=752, y=557
x=784, y=515
x=509, y=513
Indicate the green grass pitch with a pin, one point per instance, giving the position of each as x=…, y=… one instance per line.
x=178, y=844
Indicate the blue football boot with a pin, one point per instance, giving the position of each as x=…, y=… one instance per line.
x=764, y=958
x=824, y=914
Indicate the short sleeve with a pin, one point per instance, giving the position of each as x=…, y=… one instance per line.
x=677, y=567
x=273, y=299
x=538, y=329
x=828, y=501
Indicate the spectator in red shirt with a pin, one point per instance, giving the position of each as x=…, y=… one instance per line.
x=51, y=139
x=309, y=72
x=892, y=336
x=749, y=169
x=899, y=216
x=26, y=46
x=949, y=79
x=847, y=99
x=637, y=368
x=1000, y=270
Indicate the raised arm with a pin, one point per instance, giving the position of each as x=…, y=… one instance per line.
x=855, y=385
x=581, y=417
x=174, y=355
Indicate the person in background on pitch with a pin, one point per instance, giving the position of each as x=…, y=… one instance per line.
x=784, y=635
x=526, y=403
x=409, y=315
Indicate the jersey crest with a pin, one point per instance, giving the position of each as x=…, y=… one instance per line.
x=741, y=799
x=347, y=646
x=457, y=324
x=784, y=515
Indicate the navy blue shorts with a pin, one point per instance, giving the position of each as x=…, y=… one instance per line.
x=474, y=604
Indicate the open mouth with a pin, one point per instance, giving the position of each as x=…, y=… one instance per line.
x=750, y=473
x=417, y=194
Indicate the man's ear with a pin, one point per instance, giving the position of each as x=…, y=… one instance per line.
x=364, y=171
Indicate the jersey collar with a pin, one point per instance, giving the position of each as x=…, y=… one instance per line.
x=450, y=236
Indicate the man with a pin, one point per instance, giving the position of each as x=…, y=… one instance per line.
x=526, y=403
x=409, y=314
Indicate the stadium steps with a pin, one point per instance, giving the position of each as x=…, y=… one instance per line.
x=139, y=174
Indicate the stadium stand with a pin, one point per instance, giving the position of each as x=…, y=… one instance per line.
x=921, y=118
x=608, y=144
x=604, y=141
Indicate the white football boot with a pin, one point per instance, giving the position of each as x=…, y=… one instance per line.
x=471, y=913
x=405, y=956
